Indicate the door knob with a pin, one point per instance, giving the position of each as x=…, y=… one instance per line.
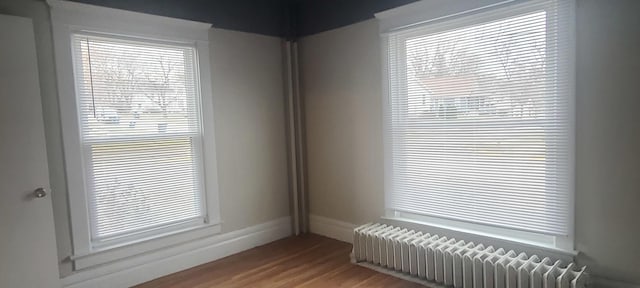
x=40, y=193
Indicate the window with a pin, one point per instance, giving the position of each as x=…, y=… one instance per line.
x=140, y=133
x=138, y=130
x=479, y=119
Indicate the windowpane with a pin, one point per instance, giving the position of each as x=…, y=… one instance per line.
x=479, y=120
x=142, y=184
x=130, y=88
x=488, y=71
x=140, y=128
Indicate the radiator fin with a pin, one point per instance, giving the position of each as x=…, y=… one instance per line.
x=457, y=263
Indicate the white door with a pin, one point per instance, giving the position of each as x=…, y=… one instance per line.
x=27, y=237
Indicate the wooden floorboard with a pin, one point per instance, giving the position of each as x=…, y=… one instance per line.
x=302, y=261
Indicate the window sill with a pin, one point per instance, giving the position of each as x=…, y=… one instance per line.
x=121, y=251
x=488, y=239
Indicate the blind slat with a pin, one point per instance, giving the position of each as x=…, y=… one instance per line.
x=479, y=118
x=140, y=127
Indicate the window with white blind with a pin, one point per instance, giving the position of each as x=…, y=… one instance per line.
x=139, y=115
x=479, y=118
x=138, y=128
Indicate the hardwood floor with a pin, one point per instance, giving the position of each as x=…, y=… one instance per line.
x=303, y=261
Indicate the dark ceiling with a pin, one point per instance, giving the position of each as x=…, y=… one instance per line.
x=313, y=16
x=282, y=18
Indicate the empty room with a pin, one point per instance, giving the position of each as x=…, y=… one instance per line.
x=319, y=143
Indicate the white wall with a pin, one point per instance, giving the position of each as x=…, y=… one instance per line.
x=341, y=86
x=250, y=127
x=608, y=137
x=249, y=118
x=340, y=82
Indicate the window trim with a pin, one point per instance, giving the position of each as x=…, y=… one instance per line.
x=424, y=16
x=69, y=18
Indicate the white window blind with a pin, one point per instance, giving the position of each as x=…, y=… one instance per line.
x=139, y=114
x=479, y=118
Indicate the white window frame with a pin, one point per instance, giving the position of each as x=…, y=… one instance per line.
x=431, y=17
x=69, y=18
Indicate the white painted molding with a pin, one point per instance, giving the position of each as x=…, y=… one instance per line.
x=124, y=22
x=68, y=18
x=149, y=266
x=332, y=228
x=599, y=282
x=153, y=243
x=88, y=8
x=421, y=12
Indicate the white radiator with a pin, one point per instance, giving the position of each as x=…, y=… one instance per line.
x=456, y=263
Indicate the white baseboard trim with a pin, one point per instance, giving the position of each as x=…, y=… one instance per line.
x=600, y=282
x=149, y=266
x=332, y=228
